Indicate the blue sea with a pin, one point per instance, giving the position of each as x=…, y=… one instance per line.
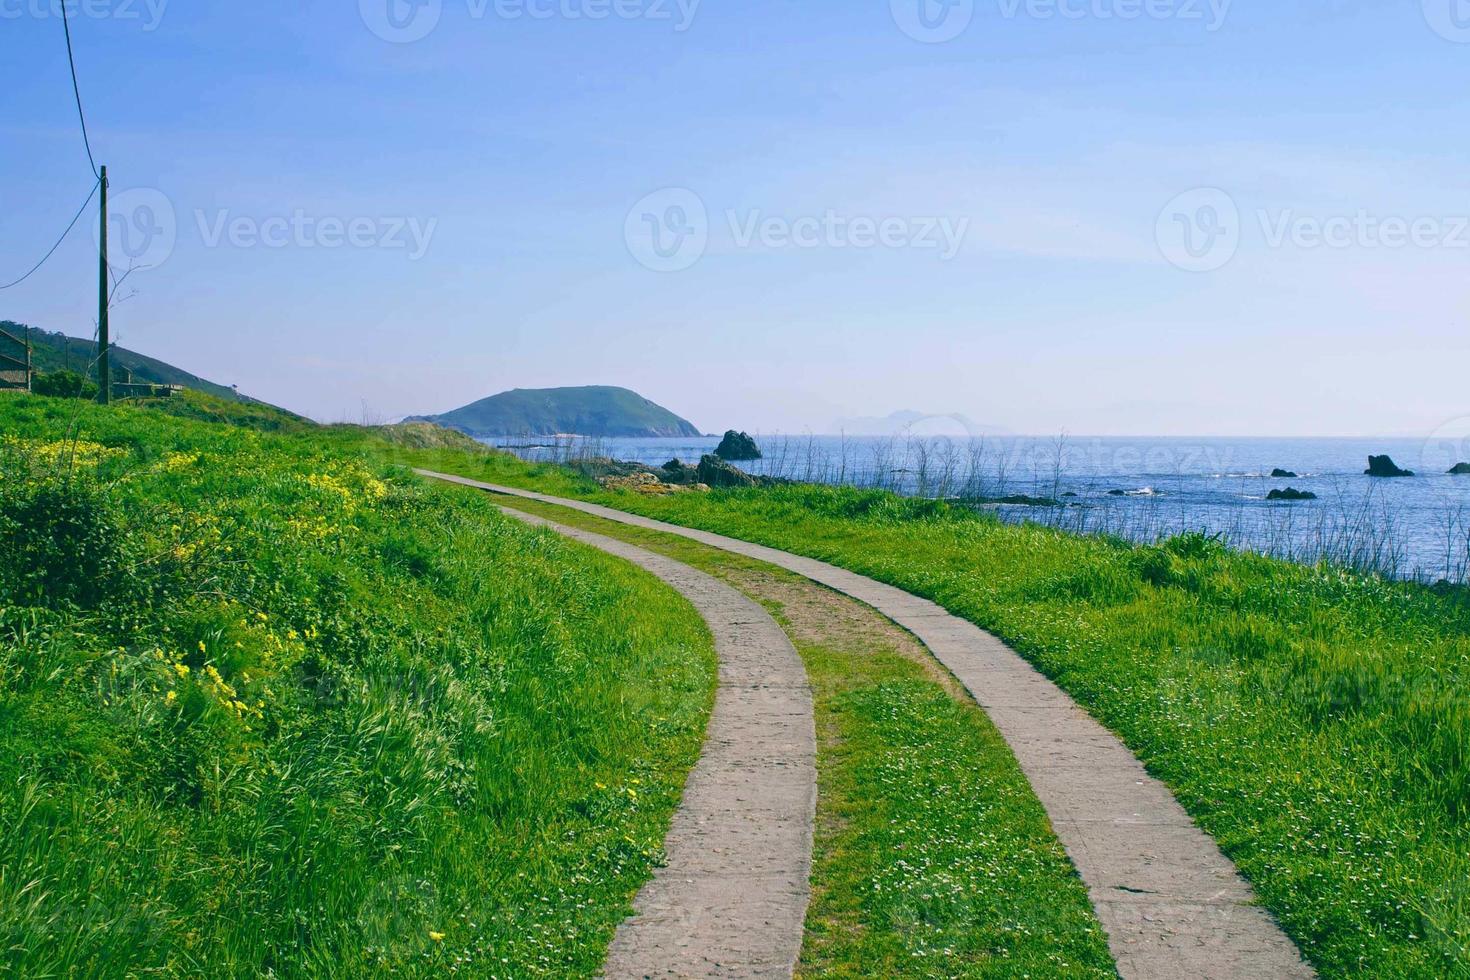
x=1147, y=488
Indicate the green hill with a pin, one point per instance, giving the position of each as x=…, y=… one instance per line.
x=596, y=410
x=57, y=352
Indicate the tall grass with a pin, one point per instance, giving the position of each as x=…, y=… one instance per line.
x=271, y=707
x=1355, y=525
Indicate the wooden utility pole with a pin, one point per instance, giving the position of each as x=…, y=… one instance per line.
x=104, y=342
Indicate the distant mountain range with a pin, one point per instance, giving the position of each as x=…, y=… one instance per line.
x=58, y=352
x=596, y=410
x=909, y=422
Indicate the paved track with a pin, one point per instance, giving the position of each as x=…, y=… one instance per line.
x=731, y=900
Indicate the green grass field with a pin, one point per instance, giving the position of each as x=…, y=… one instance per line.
x=1314, y=721
x=271, y=706
x=268, y=704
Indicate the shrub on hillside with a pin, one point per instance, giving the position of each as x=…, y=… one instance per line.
x=63, y=384
x=59, y=544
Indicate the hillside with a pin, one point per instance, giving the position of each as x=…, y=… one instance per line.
x=57, y=351
x=266, y=714
x=591, y=411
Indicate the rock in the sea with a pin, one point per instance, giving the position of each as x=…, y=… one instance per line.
x=717, y=473
x=737, y=445
x=1291, y=493
x=1280, y=474
x=1460, y=469
x=1385, y=466
x=1025, y=500
x=1117, y=493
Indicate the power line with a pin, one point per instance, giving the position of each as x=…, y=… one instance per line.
x=69, y=227
x=77, y=90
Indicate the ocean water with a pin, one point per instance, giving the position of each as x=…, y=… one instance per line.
x=1411, y=527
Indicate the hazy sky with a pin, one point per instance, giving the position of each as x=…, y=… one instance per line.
x=1104, y=216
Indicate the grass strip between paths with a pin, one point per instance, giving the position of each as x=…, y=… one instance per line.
x=932, y=855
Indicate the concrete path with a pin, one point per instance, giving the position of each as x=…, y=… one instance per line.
x=731, y=901
x=1172, y=904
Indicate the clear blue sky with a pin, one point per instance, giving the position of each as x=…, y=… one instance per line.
x=522, y=144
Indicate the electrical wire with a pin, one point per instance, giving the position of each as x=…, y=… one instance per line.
x=77, y=90
x=74, y=220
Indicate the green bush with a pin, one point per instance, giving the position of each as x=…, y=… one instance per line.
x=63, y=384
x=59, y=544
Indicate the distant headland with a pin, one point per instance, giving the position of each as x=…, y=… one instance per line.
x=596, y=410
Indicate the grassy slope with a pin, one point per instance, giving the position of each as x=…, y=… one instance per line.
x=1314, y=721
x=290, y=710
x=56, y=351
x=932, y=855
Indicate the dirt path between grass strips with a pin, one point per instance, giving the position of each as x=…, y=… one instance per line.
x=732, y=897
x=1172, y=904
